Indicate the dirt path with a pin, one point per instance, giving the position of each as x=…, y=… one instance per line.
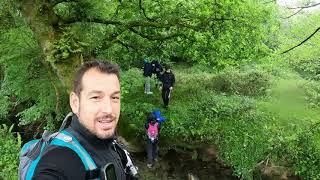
x=179, y=166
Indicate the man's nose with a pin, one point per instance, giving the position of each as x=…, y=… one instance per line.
x=107, y=107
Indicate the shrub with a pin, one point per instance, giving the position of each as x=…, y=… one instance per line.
x=248, y=83
x=252, y=116
x=9, y=150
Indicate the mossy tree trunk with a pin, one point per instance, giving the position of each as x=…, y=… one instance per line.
x=47, y=30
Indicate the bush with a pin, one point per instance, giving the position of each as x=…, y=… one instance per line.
x=252, y=116
x=199, y=116
x=307, y=68
x=303, y=154
x=247, y=83
x=9, y=150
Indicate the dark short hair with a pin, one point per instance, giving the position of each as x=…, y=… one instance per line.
x=102, y=66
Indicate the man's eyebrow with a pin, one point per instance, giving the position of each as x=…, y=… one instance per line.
x=116, y=92
x=95, y=92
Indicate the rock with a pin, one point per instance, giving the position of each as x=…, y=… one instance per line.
x=208, y=154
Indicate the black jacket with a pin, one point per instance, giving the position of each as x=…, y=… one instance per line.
x=157, y=68
x=64, y=164
x=168, y=79
x=147, y=69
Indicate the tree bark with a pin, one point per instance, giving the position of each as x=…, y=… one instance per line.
x=44, y=23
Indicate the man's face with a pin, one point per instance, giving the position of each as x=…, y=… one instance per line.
x=98, y=106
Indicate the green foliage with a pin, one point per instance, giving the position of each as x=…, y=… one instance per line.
x=5, y=105
x=251, y=82
x=305, y=157
x=198, y=116
x=258, y=118
x=305, y=58
x=66, y=46
x=312, y=91
x=252, y=113
x=27, y=82
x=9, y=150
x=221, y=33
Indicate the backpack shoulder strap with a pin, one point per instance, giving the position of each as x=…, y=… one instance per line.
x=126, y=159
x=153, y=125
x=66, y=139
x=36, y=146
x=66, y=121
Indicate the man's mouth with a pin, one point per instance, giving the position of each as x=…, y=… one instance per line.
x=109, y=120
x=105, y=123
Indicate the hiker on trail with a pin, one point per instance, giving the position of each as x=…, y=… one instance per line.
x=95, y=103
x=168, y=81
x=147, y=73
x=152, y=127
x=157, y=70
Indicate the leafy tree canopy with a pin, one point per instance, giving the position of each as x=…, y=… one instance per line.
x=44, y=41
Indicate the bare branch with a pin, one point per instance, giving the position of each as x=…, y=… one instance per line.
x=293, y=14
x=302, y=41
x=303, y=7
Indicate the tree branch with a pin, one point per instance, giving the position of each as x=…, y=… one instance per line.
x=92, y=20
x=302, y=41
x=55, y=2
x=303, y=7
x=269, y=2
x=139, y=23
x=113, y=22
x=293, y=14
x=155, y=38
x=144, y=11
x=127, y=46
x=111, y=39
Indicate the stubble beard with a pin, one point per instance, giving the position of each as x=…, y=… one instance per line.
x=101, y=135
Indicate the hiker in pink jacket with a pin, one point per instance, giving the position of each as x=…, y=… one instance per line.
x=152, y=129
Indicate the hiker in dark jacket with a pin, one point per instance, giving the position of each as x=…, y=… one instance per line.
x=147, y=73
x=157, y=70
x=95, y=102
x=152, y=127
x=168, y=81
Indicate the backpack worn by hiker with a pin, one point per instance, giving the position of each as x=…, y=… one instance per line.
x=153, y=131
x=157, y=114
x=32, y=151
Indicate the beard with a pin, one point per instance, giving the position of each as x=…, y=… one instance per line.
x=99, y=133
x=106, y=135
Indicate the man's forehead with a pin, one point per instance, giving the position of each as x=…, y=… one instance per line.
x=101, y=92
x=94, y=80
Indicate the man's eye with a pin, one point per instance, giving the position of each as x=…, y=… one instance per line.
x=115, y=97
x=94, y=97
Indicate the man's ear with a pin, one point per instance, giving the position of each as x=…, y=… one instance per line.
x=74, y=101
